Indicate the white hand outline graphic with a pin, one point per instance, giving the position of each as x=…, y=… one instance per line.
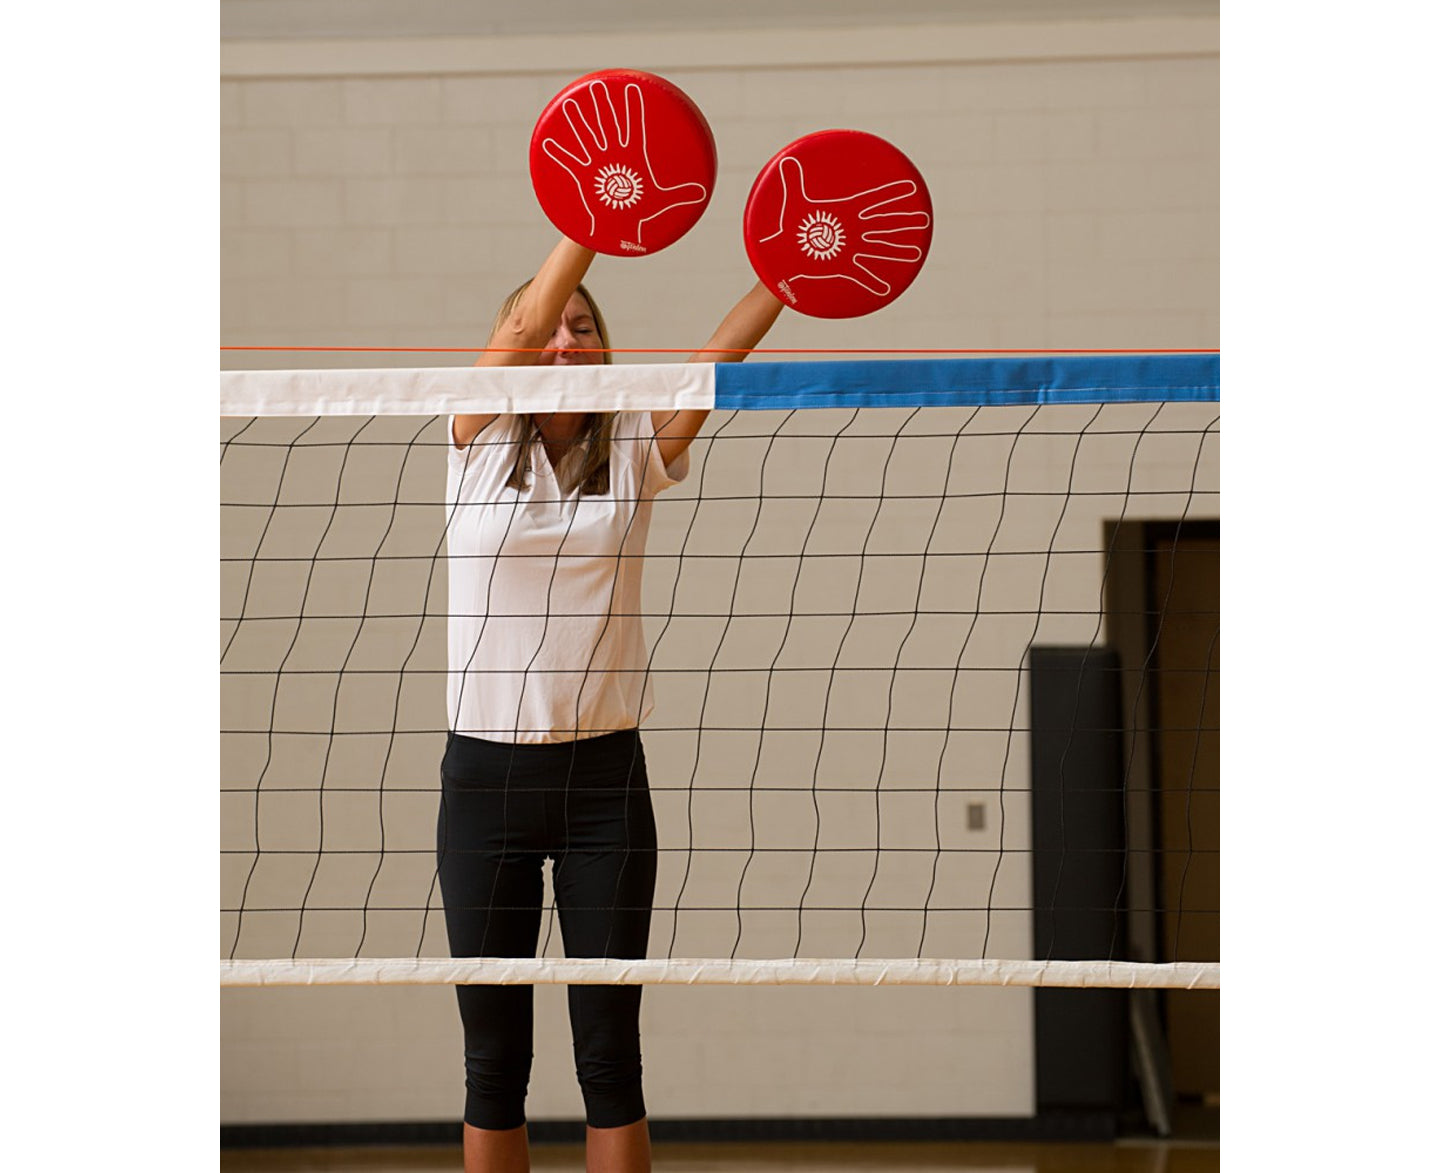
x=799, y=211
x=606, y=145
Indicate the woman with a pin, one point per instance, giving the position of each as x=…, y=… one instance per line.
x=547, y=688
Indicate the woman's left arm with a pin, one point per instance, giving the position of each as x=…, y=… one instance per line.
x=740, y=332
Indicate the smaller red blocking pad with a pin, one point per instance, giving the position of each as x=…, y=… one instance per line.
x=838, y=224
x=622, y=162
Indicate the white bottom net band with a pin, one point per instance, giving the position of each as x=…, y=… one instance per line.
x=433, y=971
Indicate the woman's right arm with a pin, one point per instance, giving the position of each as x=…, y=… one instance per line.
x=530, y=325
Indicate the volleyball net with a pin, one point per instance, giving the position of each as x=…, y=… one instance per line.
x=915, y=629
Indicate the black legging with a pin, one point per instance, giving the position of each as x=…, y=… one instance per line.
x=504, y=808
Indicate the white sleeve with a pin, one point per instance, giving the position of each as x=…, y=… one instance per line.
x=635, y=435
x=659, y=475
x=488, y=442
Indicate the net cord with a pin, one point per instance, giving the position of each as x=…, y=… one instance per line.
x=437, y=971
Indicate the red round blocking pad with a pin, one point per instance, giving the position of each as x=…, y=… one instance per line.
x=838, y=224
x=622, y=162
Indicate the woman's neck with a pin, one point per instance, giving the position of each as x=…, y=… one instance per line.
x=559, y=429
x=559, y=432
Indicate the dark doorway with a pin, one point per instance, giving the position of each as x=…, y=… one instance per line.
x=1163, y=619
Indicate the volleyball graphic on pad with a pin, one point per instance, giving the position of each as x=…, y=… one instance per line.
x=821, y=236
x=618, y=187
x=838, y=224
x=622, y=162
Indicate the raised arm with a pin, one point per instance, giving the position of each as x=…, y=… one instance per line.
x=531, y=323
x=742, y=330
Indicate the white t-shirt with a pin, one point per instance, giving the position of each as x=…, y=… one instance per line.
x=545, y=635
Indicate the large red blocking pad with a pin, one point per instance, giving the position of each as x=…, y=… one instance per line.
x=622, y=162
x=838, y=224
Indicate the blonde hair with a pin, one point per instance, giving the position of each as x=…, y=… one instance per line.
x=593, y=475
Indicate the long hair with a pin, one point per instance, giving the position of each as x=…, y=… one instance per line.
x=593, y=475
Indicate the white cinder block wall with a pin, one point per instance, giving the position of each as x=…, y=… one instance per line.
x=1076, y=205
